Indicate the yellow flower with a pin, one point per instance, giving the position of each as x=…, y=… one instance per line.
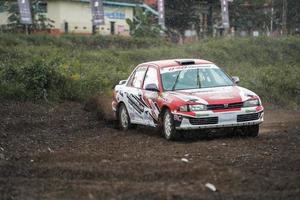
x=75, y=77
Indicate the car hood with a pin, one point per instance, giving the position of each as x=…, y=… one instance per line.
x=217, y=95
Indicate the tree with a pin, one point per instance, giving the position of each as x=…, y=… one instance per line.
x=181, y=15
x=143, y=25
x=249, y=16
x=293, y=16
x=264, y=14
x=40, y=21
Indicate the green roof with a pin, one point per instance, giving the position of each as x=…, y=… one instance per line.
x=125, y=4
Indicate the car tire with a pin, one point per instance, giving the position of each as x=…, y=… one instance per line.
x=252, y=131
x=168, y=127
x=123, y=118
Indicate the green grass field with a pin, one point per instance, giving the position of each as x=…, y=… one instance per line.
x=78, y=67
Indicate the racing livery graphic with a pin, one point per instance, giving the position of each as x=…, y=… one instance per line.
x=185, y=94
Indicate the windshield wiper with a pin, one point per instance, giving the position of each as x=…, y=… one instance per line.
x=173, y=88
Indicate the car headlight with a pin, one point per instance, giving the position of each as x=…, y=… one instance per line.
x=183, y=108
x=251, y=103
x=193, y=108
x=197, y=107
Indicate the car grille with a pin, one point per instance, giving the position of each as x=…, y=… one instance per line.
x=248, y=117
x=222, y=106
x=204, y=121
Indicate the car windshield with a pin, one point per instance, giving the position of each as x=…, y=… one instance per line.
x=191, y=77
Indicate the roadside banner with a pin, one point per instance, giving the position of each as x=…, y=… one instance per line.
x=225, y=14
x=97, y=12
x=25, y=12
x=161, y=12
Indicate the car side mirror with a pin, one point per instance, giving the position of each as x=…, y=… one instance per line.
x=122, y=82
x=235, y=79
x=152, y=87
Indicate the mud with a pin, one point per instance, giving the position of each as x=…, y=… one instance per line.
x=65, y=152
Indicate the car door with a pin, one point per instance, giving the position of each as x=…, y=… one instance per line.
x=135, y=103
x=151, y=111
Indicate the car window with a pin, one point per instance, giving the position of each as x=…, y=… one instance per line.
x=187, y=80
x=213, y=77
x=138, y=77
x=151, y=77
x=197, y=77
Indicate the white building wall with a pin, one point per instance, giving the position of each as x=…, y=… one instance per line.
x=78, y=16
x=53, y=12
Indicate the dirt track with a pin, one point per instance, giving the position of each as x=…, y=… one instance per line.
x=63, y=152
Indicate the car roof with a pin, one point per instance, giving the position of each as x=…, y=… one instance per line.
x=176, y=62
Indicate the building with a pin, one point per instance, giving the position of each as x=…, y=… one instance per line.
x=75, y=16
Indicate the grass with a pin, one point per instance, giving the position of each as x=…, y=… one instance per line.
x=77, y=67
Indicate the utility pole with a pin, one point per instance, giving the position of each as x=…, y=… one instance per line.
x=225, y=15
x=272, y=19
x=284, y=16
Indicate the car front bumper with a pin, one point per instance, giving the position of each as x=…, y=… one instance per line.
x=210, y=119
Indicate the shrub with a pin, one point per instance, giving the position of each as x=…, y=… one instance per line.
x=73, y=67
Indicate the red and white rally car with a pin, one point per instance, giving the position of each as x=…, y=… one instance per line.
x=185, y=94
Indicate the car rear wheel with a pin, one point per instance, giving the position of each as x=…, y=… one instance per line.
x=123, y=118
x=168, y=127
x=252, y=131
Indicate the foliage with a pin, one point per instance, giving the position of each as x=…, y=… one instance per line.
x=40, y=21
x=180, y=15
x=249, y=17
x=258, y=15
x=293, y=16
x=82, y=42
x=143, y=25
x=246, y=15
x=34, y=67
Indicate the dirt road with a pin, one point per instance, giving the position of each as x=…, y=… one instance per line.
x=63, y=152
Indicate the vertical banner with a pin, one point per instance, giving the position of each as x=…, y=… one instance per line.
x=25, y=12
x=97, y=12
x=161, y=12
x=225, y=14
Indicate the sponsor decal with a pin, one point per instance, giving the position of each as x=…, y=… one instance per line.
x=142, y=110
x=221, y=96
x=177, y=117
x=115, y=15
x=135, y=104
x=179, y=68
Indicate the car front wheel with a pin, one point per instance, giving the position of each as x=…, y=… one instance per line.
x=168, y=128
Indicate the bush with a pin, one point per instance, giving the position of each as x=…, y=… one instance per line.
x=34, y=66
x=82, y=42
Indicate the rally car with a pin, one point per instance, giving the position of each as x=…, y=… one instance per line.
x=185, y=94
